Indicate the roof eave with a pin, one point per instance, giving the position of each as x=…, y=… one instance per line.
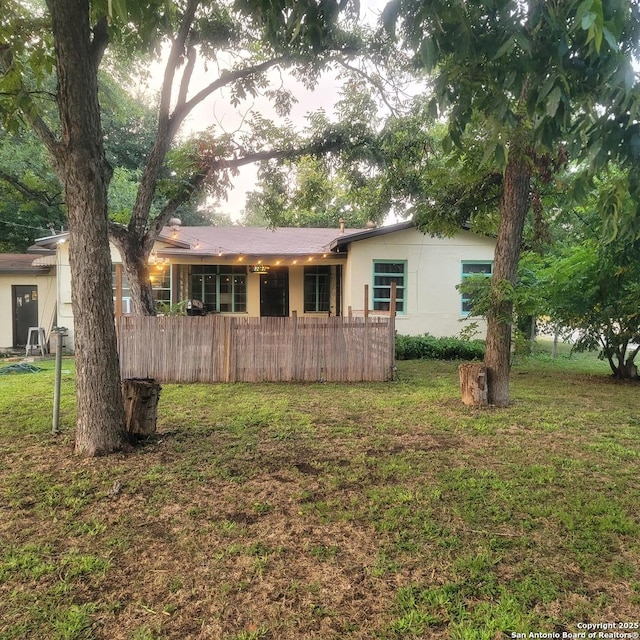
x=22, y=271
x=344, y=241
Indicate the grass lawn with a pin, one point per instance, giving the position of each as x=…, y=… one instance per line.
x=328, y=511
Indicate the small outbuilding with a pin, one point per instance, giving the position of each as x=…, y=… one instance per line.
x=27, y=296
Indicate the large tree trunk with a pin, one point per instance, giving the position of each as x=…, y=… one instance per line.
x=137, y=270
x=85, y=174
x=513, y=210
x=135, y=261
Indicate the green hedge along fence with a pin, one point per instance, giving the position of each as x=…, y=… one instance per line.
x=426, y=346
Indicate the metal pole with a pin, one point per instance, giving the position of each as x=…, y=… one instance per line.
x=60, y=333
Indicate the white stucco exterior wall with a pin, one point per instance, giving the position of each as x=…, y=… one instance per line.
x=65, y=313
x=434, y=267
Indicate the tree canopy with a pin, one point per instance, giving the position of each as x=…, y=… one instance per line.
x=31, y=197
x=545, y=79
x=241, y=42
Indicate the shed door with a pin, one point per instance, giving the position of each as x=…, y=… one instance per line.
x=274, y=292
x=25, y=312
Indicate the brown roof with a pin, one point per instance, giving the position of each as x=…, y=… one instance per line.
x=20, y=262
x=254, y=241
x=249, y=240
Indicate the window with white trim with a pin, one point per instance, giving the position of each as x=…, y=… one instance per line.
x=385, y=272
x=473, y=268
x=160, y=277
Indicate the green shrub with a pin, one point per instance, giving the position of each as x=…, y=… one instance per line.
x=426, y=346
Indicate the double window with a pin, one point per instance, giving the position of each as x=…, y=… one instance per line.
x=473, y=268
x=221, y=288
x=317, y=289
x=385, y=273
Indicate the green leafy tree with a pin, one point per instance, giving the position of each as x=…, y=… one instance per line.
x=593, y=291
x=72, y=37
x=306, y=193
x=31, y=198
x=538, y=75
x=587, y=285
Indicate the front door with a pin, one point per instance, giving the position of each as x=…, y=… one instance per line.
x=25, y=312
x=274, y=292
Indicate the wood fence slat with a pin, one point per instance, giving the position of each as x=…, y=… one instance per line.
x=237, y=349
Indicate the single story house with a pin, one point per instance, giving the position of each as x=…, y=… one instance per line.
x=256, y=272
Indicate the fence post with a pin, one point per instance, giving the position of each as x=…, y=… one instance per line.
x=365, y=339
x=293, y=354
x=60, y=333
x=392, y=328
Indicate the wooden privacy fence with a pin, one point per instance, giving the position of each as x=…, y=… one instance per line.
x=218, y=348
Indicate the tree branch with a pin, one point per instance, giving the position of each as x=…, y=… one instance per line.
x=45, y=134
x=26, y=191
x=166, y=126
x=313, y=148
x=118, y=232
x=30, y=113
x=174, y=61
x=99, y=42
x=167, y=130
x=372, y=81
x=168, y=211
x=186, y=77
x=226, y=78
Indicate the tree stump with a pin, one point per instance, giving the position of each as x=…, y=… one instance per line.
x=140, y=396
x=473, y=384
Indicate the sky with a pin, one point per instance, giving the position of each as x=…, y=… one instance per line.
x=219, y=112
